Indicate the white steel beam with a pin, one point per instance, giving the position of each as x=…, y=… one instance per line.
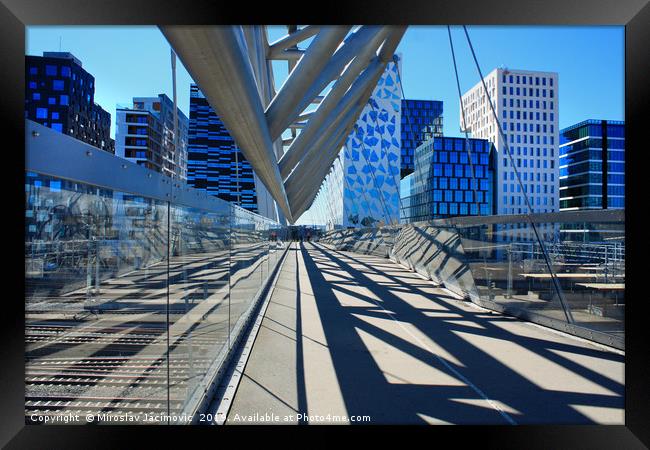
x=217, y=59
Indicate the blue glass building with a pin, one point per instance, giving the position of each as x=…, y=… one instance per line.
x=214, y=162
x=421, y=120
x=592, y=165
x=443, y=185
x=60, y=94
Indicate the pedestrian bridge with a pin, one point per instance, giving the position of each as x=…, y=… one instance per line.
x=350, y=338
x=148, y=300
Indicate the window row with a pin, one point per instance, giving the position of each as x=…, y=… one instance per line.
x=539, y=140
x=529, y=128
x=526, y=176
x=530, y=163
x=530, y=188
x=459, y=171
x=523, y=103
x=450, y=183
x=522, y=91
x=528, y=115
x=519, y=200
x=521, y=79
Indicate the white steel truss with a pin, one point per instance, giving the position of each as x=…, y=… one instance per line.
x=232, y=66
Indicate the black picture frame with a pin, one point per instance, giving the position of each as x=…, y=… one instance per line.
x=633, y=14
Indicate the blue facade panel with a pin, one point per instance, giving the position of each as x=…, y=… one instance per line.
x=421, y=120
x=446, y=184
x=214, y=162
x=592, y=165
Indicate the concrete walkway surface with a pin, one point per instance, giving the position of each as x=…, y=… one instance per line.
x=351, y=338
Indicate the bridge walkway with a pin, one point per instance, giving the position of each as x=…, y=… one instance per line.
x=349, y=337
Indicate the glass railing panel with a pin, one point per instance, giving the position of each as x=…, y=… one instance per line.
x=248, y=248
x=509, y=267
x=592, y=256
x=95, y=312
x=574, y=273
x=117, y=280
x=278, y=241
x=263, y=228
x=567, y=271
x=198, y=301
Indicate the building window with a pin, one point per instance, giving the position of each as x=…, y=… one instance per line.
x=65, y=71
x=50, y=70
x=33, y=70
x=64, y=100
x=41, y=113
x=51, y=101
x=36, y=96
x=58, y=127
x=57, y=85
x=32, y=84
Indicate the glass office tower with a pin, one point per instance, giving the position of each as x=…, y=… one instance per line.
x=592, y=165
x=214, y=162
x=421, y=120
x=60, y=94
x=443, y=184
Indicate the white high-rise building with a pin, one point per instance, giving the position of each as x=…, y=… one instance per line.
x=144, y=135
x=526, y=104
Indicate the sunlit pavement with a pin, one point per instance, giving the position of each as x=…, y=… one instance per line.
x=352, y=338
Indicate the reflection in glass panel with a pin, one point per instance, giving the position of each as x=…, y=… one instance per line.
x=198, y=299
x=248, y=252
x=587, y=260
x=95, y=300
x=113, y=324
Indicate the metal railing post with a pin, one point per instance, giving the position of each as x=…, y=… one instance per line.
x=89, y=275
x=509, y=287
x=96, y=267
x=606, y=263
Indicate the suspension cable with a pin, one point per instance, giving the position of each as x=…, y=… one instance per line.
x=408, y=119
x=462, y=108
x=556, y=283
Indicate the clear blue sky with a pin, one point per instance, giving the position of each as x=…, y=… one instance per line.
x=129, y=61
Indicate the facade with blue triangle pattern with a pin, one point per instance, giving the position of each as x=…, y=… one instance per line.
x=363, y=187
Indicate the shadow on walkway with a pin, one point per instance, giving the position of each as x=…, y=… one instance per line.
x=410, y=353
